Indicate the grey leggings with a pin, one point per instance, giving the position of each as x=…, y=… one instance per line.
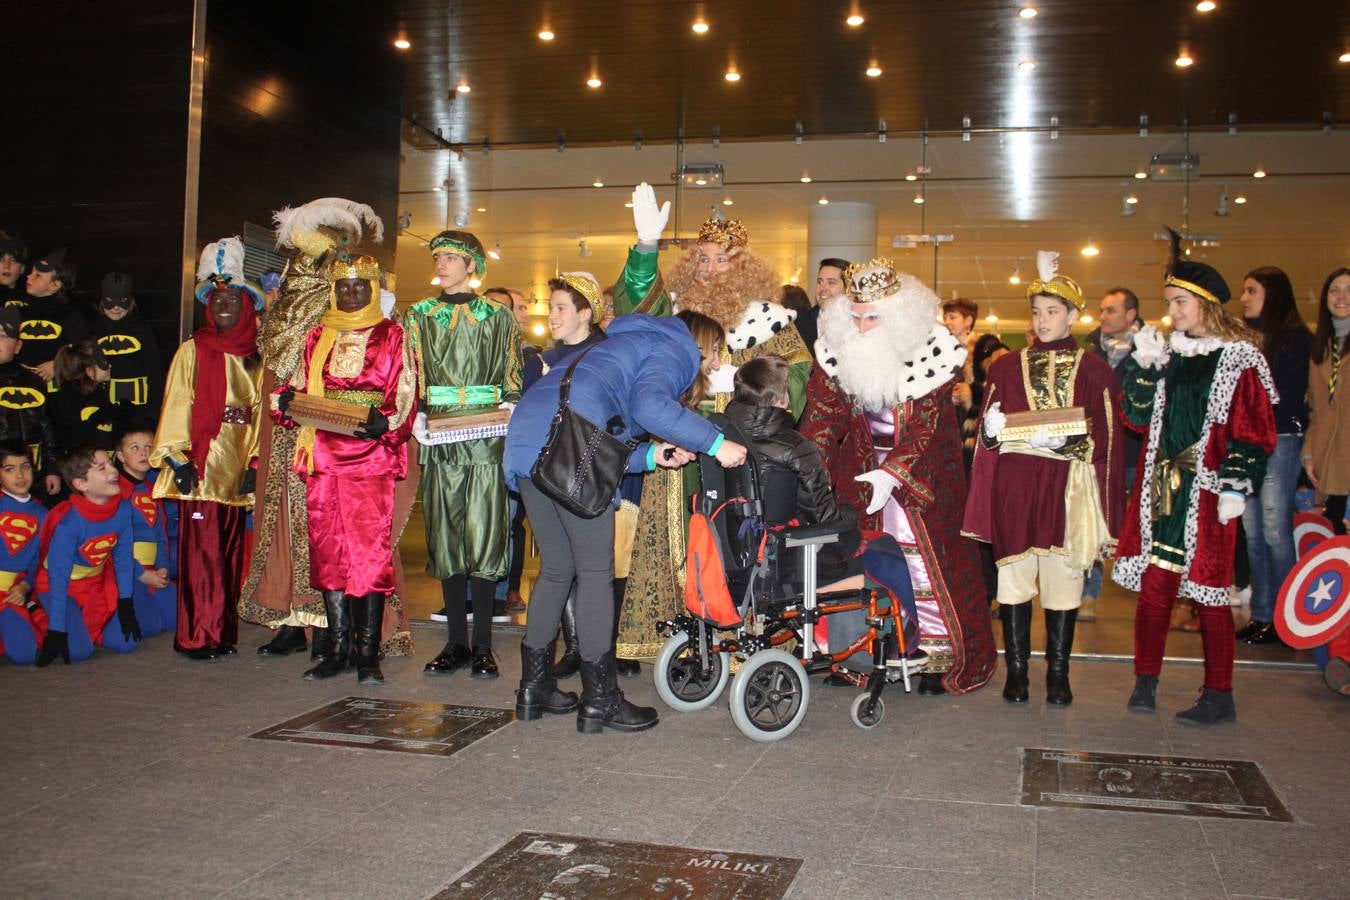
x=570, y=547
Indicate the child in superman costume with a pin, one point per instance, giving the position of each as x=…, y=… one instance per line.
x=21, y=515
x=154, y=593
x=84, y=583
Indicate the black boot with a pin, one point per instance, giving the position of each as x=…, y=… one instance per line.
x=1145, y=696
x=602, y=703
x=625, y=667
x=338, y=656
x=1016, y=649
x=319, y=645
x=571, y=658
x=366, y=641
x=288, y=639
x=1213, y=708
x=1058, y=645
x=931, y=684
x=538, y=692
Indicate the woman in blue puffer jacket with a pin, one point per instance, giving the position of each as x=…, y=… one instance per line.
x=630, y=384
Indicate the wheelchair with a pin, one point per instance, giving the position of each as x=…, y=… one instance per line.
x=772, y=565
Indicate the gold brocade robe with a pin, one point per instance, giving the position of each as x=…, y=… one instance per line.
x=235, y=446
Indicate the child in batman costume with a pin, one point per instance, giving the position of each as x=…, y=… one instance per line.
x=24, y=414
x=128, y=342
x=49, y=321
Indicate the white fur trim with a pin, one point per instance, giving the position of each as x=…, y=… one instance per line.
x=934, y=364
x=334, y=212
x=761, y=321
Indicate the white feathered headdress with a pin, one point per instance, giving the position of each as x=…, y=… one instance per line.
x=1049, y=281
x=335, y=212
x=1047, y=264
x=223, y=261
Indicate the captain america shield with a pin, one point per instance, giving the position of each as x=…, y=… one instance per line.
x=1310, y=529
x=1314, y=602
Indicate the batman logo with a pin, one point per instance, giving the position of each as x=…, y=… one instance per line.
x=118, y=344
x=39, y=330
x=15, y=304
x=88, y=413
x=21, y=398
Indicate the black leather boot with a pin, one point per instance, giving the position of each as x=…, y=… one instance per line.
x=1059, y=625
x=338, y=655
x=288, y=639
x=1145, y=696
x=318, y=645
x=1213, y=708
x=1016, y=649
x=366, y=640
x=602, y=703
x=625, y=667
x=538, y=692
x=570, y=662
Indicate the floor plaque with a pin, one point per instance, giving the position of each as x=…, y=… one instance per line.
x=1180, y=785
x=564, y=867
x=396, y=725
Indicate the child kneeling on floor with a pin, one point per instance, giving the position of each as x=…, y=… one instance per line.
x=84, y=584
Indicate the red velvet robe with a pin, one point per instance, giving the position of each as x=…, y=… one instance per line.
x=927, y=463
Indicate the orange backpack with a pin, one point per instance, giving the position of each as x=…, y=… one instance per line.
x=705, y=575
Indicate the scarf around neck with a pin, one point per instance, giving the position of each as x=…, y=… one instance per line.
x=334, y=323
x=208, y=402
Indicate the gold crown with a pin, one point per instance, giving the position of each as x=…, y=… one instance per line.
x=869, y=281
x=727, y=233
x=1061, y=286
x=365, y=267
x=585, y=285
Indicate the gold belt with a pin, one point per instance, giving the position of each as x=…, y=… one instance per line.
x=1167, y=478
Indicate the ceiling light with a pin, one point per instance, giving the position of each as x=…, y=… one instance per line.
x=1026, y=65
x=402, y=43
x=538, y=329
x=1085, y=319
x=823, y=201
x=1016, y=276
x=593, y=82
x=699, y=26
x=1127, y=205
x=701, y=182
x=1131, y=199
x=732, y=74
x=597, y=183
x=1184, y=60
x=1028, y=12
x=1259, y=173
x=1344, y=57
x=806, y=179
x=991, y=318
x=1167, y=320
x=438, y=188
x=463, y=87
x=1206, y=6
x=482, y=209
x=727, y=202
x=911, y=177
x=435, y=279
x=628, y=205
x=919, y=199
x=545, y=35
x=494, y=253
x=854, y=20
x=1141, y=175
x=873, y=71
x=1240, y=199
x=475, y=283
x=1090, y=248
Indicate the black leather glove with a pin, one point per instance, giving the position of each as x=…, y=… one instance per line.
x=185, y=477
x=376, y=424
x=54, y=645
x=284, y=398
x=249, y=484
x=126, y=619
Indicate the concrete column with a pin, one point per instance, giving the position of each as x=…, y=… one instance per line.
x=842, y=230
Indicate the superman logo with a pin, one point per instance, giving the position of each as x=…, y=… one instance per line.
x=147, y=507
x=17, y=529
x=21, y=398
x=96, y=549
x=118, y=344
x=39, y=330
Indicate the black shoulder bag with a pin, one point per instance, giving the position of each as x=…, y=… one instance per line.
x=581, y=463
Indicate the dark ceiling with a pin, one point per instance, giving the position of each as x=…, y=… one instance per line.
x=1100, y=65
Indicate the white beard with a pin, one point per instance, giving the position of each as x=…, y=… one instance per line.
x=906, y=356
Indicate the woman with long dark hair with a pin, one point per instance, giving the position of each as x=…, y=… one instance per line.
x=1268, y=307
x=632, y=384
x=1326, y=452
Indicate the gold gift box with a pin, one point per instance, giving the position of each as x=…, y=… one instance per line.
x=1067, y=421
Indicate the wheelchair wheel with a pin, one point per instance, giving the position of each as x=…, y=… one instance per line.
x=769, y=696
x=680, y=681
x=866, y=712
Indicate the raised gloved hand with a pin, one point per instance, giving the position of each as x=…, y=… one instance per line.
x=185, y=477
x=882, y=484
x=54, y=645
x=126, y=619
x=284, y=398
x=376, y=424
x=1044, y=440
x=994, y=420
x=1150, y=348
x=1231, y=505
x=648, y=218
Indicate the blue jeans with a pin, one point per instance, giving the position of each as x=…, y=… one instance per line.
x=1268, y=522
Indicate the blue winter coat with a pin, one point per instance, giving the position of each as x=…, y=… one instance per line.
x=630, y=383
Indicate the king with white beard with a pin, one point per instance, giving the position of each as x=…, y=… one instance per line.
x=880, y=410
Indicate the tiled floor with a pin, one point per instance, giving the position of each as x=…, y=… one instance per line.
x=135, y=776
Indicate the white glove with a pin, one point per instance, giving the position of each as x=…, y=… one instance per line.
x=723, y=379
x=1150, y=349
x=507, y=405
x=994, y=420
x=1230, y=506
x=648, y=219
x=882, y=484
x=1044, y=440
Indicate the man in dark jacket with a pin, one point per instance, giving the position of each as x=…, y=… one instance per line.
x=24, y=413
